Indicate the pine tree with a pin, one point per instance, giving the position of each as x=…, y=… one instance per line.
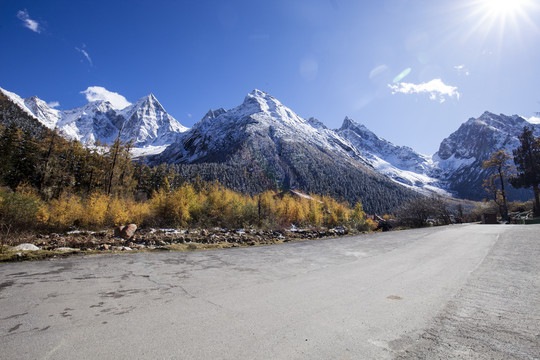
x=527, y=160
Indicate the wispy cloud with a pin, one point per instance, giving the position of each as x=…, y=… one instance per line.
x=53, y=104
x=461, y=69
x=437, y=90
x=85, y=54
x=94, y=93
x=27, y=22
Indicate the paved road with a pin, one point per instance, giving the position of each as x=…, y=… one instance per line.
x=469, y=291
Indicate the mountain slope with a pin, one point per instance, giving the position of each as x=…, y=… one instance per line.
x=459, y=159
x=14, y=112
x=274, y=145
x=400, y=163
x=146, y=122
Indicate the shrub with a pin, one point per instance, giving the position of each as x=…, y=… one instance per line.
x=65, y=211
x=20, y=210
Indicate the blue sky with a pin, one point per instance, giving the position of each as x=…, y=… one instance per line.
x=410, y=70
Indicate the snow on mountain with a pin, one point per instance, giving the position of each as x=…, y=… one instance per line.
x=90, y=123
x=477, y=138
x=264, y=132
x=400, y=163
x=459, y=159
x=259, y=116
x=16, y=99
x=262, y=141
x=146, y=122
x=39, y=108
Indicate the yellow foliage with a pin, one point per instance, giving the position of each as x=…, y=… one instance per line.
x=117, y=212
x=96, y=209
x=175, y=207
x=139, y=212
x=65, y=211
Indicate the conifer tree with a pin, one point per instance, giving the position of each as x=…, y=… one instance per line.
x=527, y=160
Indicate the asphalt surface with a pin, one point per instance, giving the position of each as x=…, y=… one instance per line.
x=461, y=291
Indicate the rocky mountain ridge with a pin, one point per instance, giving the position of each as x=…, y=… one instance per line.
x=146, y=123
x=276, y=147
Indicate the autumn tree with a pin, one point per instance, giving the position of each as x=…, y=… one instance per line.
x=527, y=160
x=499, y=172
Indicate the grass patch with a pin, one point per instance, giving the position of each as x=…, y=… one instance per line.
x=15, y=256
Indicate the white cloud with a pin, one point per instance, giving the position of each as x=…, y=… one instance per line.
x=94, y=93
x=53, y=104
x=27, y=22
x=189, y=115
x=436, y=89
x=534, y=120
x=85, y=53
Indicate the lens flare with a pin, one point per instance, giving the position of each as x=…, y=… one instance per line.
x=402, y=75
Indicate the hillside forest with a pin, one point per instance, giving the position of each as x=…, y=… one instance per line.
x=48, y=183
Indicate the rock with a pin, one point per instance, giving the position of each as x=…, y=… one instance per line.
x=105, y=246
x=26, y=247
x=128, y=231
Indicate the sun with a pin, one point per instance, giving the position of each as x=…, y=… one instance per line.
x=507, y=18
x=504, y=8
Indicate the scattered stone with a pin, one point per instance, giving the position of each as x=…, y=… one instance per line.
x=26, y=247
x=127, y=232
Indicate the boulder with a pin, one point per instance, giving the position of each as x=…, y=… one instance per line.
x=127, y=232
x=26, y=247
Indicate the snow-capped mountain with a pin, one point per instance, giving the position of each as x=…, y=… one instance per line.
x=400, y=163
x=459, y=159
x=39, y=108
x=261, y=117
x=275, y=145
x=90, y=123
x=13, y=111
x=264, y=143
x=145, y=122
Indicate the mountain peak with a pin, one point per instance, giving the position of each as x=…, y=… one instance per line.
x=348, y=123
x=258, y=93
x=212, y=114
x=259, y=96
x=148, y=98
